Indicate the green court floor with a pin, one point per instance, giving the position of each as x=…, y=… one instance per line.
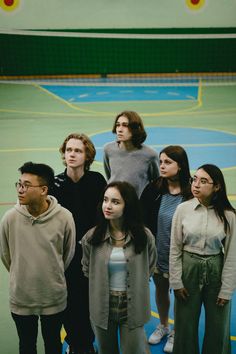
x=34, y=121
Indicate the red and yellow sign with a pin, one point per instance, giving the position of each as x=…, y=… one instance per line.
x=195, y=4
x=9, y=5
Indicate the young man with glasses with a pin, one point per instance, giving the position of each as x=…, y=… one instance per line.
x=37, y=242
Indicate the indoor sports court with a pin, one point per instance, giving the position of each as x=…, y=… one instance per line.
x=56, y=81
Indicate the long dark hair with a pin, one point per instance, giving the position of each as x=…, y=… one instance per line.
x=136, y=127
x=179, y=155
x=219, y=201
x=132, y=219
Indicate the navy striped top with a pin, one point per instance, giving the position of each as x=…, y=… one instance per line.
x=169, y=203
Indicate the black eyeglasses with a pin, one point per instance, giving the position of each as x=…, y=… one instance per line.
x=25, y=187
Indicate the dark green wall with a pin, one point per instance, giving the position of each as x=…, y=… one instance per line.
x=44, y=55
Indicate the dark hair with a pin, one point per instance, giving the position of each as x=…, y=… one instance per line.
x=132, y=217
x=179, y=155
x=219, y=201
x=90, y=151
x=135, y=127
x=44, y=172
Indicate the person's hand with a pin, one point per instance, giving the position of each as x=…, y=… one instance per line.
x=221, y=302
x=181, y=294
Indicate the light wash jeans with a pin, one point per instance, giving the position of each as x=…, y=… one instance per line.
x=132, y=341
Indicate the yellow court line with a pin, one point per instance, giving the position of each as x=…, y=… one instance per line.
x=101, y=147
x=45, y=113
x=85, y=112
x=199, y=103
x=190, y=110
x=199, y=97
x=74, y=107
x=169, y=126
x=97, y=113
x=196, y=145
x=179, y=112
x=63, y=332
x=190, y=127
x=154, y=314
x=63, y=335
x=29, y=149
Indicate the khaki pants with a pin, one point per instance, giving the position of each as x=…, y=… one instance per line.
x=202, y=278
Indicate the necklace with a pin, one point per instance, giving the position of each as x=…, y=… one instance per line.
x=118, y=239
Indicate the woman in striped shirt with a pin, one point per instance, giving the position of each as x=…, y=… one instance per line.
x=159, y=200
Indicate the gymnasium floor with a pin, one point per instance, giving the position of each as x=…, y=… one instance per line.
x=36, y=116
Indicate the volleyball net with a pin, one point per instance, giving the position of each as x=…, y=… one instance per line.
x=79, y=57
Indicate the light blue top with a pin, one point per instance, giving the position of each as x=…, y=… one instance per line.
x=117, y=270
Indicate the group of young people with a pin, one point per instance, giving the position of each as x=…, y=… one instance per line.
x=81, y=249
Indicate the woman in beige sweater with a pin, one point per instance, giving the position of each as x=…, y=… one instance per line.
x=203, y=264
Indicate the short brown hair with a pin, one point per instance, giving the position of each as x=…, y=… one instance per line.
x=90, y=150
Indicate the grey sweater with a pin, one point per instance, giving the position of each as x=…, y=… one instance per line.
x=138, y=167
x=36, y=252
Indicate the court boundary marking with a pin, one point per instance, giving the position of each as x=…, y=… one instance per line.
x=189, y=110
x=77, y=107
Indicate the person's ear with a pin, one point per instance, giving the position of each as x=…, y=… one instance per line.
x=44, y=190
x=216, y=187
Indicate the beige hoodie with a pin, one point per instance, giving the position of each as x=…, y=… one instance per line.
x=36, y=252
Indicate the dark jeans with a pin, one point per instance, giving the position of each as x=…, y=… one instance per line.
x=27, y=329
x=76, y=321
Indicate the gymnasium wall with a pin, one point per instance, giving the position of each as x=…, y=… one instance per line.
x=25, y=53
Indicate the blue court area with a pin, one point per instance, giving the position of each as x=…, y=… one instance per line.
x=100, y=93
x=195, y=132
x=150, y=326
x=202, y=145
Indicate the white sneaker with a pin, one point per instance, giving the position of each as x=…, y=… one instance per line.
x=160, y=332
x=168, y=348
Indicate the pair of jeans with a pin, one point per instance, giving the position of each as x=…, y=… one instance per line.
x=27, y=329
x=131, y=340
